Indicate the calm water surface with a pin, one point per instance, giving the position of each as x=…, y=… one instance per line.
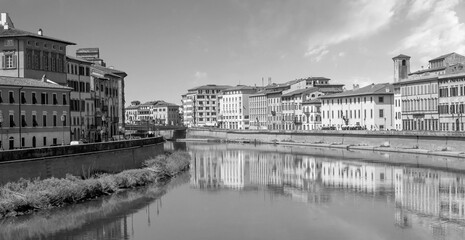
x=268, y=192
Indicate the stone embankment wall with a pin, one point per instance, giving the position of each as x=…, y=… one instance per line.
x=79, y=160
x=421, y=140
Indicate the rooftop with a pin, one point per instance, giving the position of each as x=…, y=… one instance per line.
x=443, y=56
x=401, y=56
x=373, y=89
x=301, y=91
x=78, y=59
x=240, y=87
x=29, y=82
x=13, y=32
x=210, y=86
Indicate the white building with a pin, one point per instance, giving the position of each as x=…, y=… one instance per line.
x=371, y=107
x=294, y=115
x=234, y=107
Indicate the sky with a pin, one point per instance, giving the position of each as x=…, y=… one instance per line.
x=169, y=46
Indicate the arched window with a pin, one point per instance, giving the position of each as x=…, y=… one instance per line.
x=404, y=62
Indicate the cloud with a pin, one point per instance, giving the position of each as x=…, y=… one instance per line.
x=341, y=54
x=200, y=75
x=440, y=30
x=361, y=18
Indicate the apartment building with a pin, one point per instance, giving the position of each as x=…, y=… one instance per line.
x=294, y=115
x=31, y=55
x=370, y=107
x=201, y=105
x=452, y=98
x=234, y=107
x=81, y=99
x=33, y=113
x=419, y=93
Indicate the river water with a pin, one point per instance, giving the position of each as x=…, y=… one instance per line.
x=235, y=191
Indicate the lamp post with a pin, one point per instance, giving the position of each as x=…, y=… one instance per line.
x=63, y=129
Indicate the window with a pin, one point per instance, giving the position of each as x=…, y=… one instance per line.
x=54, y=120
x=34, y=121
x=55, y=100
x=23, y=98
x=44, y=121
x=44, y=98
x=1, y=98
x=45, y=141
x=9, y=60
x=34, y=99
x=64, y=99
x=381, y=113
x=381, y=99
x=9, y=43
x=11, y=97
x=23, y=121
x=12, y=120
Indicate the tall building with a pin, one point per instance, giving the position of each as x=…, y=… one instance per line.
x=81, y=101
x=371, y=107
x=234, y=107
x=31, y=55
x=425, y=97
x=33, y=113
x=201, y=105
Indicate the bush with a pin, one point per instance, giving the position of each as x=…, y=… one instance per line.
x=25, y=195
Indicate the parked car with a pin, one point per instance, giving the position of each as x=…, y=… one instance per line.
x=76, y=143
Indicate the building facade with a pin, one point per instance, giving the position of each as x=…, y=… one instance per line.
x=258, y=111
x=33, y=113
x=201, y=105
x=452, y=98
x=234, y=107
x=31, y=55
x=370, y=107
x=81, y=101
x=294, y=115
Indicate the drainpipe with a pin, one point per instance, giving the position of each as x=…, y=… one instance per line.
x=17, y=58
x=19, y=117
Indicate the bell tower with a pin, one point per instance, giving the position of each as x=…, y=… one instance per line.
x=401, y=67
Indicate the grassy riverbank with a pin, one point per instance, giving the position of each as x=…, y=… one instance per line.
x=26, y=196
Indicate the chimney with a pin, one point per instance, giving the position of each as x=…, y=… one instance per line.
x=5, y=20
x=356, y=86
x=5, y=27
x=40, y=32
x=44, y=78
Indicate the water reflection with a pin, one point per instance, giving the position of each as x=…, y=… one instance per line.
x=428, y=198
x=266, y=192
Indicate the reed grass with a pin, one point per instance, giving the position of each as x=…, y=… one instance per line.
x=26, y=196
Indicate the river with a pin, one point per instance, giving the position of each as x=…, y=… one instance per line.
x=240, y=191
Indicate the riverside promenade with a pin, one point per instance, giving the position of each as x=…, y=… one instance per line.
x=451, y=144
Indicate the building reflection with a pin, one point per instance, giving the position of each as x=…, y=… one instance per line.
x=427, y=197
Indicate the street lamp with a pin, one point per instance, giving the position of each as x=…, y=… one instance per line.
x=63, y=129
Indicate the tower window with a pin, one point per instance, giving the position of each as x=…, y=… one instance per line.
x=404, y=63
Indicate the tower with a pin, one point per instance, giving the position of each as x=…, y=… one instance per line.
x=401, y=67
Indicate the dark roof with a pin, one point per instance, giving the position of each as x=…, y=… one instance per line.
x=160, y=103
x=373, y=89
x=300, y=91
x=240, y=87
x=442, y=56
x=13, y=32
x=79, y=59
x=312, y=101
x=132, y=107
x=428, y=70
x=109, y=70
x=210, y=86
x=29, y=82
x=401, y=56
x=426, y=79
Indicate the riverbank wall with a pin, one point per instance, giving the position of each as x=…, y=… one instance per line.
x=432, y=141
x=78, y=160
